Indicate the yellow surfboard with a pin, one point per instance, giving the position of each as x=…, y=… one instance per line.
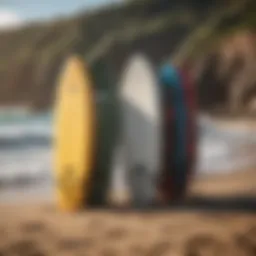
x=74, y=135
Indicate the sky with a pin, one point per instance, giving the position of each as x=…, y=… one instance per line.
x=14, y=13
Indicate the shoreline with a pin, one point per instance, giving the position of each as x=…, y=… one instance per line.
x=239, y=182
x=39, y=228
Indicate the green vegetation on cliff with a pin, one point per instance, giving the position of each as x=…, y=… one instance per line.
x=31, y=57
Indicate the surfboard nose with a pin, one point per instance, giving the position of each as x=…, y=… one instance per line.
x=169, y=76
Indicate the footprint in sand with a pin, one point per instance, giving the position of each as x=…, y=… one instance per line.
x=160, y=249
x=116, y=234
x=137, y=250
x=247, y=241
x=204, y=245
x=23, y=248
x=89, y=242
x=71, y=244
x=109, y=252
x=32, y=227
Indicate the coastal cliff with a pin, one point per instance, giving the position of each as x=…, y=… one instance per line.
x=177, y=30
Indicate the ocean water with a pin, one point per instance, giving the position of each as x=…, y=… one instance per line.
x=26, y=152
x=222, y=150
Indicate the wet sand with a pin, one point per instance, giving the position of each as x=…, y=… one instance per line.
x=39, y=229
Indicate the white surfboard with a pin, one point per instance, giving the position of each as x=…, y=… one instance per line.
x=119, y=192
x=141, y=129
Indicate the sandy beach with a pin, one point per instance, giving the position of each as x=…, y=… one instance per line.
x=213, y=221
x=38, y=228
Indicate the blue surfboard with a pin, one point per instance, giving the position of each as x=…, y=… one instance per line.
x=174, y=99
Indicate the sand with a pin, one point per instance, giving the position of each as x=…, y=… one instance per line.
x=40, y=229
